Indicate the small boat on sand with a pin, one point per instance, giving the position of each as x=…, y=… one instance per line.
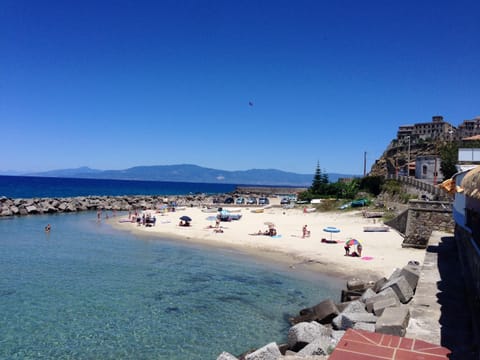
x=257, y=211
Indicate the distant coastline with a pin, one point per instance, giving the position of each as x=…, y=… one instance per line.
x=192, y=173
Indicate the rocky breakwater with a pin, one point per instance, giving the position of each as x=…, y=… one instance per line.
x=19, y=207
x=380, y=306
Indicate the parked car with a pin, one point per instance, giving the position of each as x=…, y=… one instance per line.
x=252, y=200
x=285, y=201
x=263, y=201
x=240, y=201
x=229, y=200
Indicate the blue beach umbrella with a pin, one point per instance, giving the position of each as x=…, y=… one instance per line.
x=331, y=230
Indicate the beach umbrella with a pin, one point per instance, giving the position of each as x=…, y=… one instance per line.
x=331, y=230
x=352, y=242
x=186, y=218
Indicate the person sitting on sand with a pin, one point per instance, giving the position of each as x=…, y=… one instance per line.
x=359, y=249
x=347, y=250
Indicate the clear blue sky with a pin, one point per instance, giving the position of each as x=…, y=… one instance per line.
x=116, y=84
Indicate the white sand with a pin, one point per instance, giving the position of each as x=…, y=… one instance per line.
x=382, y=251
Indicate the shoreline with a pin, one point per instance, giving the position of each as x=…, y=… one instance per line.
x=382, y=251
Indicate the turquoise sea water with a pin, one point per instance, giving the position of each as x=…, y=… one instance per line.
x=87, y=291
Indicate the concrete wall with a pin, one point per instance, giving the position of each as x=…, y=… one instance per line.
x=424, y=217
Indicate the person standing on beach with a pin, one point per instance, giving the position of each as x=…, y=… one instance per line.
x=305, y=232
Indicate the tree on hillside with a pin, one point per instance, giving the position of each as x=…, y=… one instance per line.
x=319, y=181
x=448, y=156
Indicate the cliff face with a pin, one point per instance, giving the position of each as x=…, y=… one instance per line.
x=395, y=157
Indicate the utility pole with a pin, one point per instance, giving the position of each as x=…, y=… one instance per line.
x=364, y=164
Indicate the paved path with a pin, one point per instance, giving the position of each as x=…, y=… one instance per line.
x=439, y=312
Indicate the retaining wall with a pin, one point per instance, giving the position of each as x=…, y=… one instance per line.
x=425, y=216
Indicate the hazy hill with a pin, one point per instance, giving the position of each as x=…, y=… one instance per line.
x=193, y=173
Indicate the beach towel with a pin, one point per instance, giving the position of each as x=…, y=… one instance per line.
x=367, y=258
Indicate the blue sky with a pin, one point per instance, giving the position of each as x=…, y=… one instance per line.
x=116, y=84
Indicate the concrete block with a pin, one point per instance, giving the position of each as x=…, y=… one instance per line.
x=350, y=295
x=268, y=352
x=364, y=326
x=304, y=333
x=380, y=305
x=355, y=306
x=411, y=273
x=401, y=287
x=226, y=356
x=395, y=274
x=378, y=284
x=323, y=312
x=320, y=346
x=367, y=295
x=356, y=284
x=388, y=292
x=345, y=321
x=393, y=321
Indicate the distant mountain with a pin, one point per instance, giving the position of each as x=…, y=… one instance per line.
x=193, y=173
x=84, y=170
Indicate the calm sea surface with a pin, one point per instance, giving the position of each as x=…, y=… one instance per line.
x=87, y=291
x=30, y=187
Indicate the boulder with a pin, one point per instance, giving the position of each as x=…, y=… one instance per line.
x=345, y=321
x=355, y=306
x=304, y=333
x=320, y=346
x=323, y=312
x=31, y=209
x=336, y=336
x=268, y=352
x=226, y=356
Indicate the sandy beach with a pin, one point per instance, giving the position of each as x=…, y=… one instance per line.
x=381, y=254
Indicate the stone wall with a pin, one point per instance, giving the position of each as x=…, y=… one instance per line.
x=424, y=217
x=421, y=187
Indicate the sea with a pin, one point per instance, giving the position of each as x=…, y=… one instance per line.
x=88, y=291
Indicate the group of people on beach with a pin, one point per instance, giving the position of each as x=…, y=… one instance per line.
x=271, y=231
x=357, y=253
